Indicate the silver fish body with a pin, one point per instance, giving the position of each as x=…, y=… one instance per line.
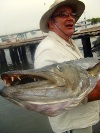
x=52, y=89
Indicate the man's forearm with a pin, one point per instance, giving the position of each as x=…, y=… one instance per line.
x=95, y=94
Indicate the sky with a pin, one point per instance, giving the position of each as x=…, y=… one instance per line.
x=24, y=15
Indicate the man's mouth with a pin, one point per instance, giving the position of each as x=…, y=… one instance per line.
x=69, y=25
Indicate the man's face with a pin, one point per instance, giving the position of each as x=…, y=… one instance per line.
x=64, y=18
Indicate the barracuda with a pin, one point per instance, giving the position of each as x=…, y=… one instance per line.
x=54, y=88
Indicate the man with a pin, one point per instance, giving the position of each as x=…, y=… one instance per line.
x=59, y=23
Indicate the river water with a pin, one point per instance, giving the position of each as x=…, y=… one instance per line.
x=15, y=119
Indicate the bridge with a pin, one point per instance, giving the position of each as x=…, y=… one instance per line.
x=24, y=40
x=17, y=36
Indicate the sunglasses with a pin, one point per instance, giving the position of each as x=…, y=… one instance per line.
x=65, y=15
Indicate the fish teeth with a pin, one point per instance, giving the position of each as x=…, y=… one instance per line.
x=19, y=78
x=12, y=79
x=8, y=84
x=5, y=81
x=34, y=79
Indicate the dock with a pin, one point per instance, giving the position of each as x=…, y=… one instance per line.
x=94, y=31
x=90, y=32
x=24, y=42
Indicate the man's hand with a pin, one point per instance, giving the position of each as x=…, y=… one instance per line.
x=95, y=94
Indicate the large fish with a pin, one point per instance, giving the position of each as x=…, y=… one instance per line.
x=54, y=88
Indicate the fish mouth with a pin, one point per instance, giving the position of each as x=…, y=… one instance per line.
x=18, y=79
x=14, y=79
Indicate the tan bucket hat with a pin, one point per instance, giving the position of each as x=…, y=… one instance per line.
x=76, y=5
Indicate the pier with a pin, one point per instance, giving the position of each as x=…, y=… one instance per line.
x=85, y=36
x=18, y=54
x=17, y=49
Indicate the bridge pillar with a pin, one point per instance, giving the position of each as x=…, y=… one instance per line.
x=3, y=61
x=87, y=46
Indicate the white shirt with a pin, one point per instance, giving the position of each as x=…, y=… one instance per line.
x=54, y=49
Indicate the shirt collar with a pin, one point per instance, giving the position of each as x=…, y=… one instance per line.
x=58, y=38
x=63, y=42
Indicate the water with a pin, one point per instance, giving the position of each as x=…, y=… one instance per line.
x=15, y=119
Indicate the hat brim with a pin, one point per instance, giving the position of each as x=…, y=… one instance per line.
x=76, y=5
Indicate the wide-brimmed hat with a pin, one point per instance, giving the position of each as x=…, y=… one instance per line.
x=76, y=5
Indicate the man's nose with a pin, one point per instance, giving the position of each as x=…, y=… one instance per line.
x=70, y=17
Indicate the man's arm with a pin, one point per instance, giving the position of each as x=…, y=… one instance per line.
x=95, y=94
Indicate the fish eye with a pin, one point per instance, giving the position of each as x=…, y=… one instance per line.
x=59, y=68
